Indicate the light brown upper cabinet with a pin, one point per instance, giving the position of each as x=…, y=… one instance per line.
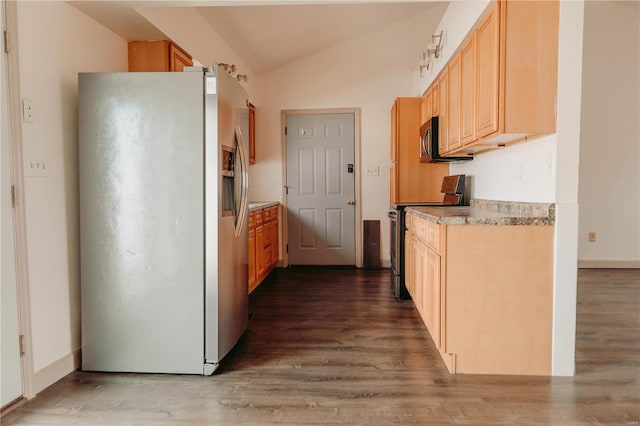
x=488, y=44
x=160, y=55
x=411, y=181
x=453, y=109
x=252, y=134
x=435, y=100
x=516, y=77
x=502, y=82
x=426, y=106
x=443, y=121
x=468, y=92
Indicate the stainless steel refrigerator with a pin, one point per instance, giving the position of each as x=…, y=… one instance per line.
x=163, y=219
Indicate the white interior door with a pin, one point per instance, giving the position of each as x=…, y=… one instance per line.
x=10, y=370
x=321, y=189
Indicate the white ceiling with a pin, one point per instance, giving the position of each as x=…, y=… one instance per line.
x=264, y=36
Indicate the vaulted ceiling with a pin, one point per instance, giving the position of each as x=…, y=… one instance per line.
x=265, y=34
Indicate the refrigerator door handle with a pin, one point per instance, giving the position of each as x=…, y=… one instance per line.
x=244, y=187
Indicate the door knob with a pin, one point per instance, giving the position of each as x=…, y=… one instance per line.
x=351, y=202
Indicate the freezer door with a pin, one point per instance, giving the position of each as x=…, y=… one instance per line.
x=227, y=271
x=142, y=221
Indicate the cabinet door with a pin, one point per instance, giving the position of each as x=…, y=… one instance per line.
x=443, y=121
x=146, y=56
x=275, y=254
x=435, y=99
x=394, y=132
x=468, y=92
x=431, y=296
x=453, y=89
x=393, y=174
x=426, y=101
x=419, y=269
x=252, y=259
x=178, y=59
x=252, y=251
x=260, y=241
x=266, y=218
x=408, y=262
x=157, y=55
x=488, y=40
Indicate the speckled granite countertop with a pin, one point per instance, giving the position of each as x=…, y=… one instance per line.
x=485, y=212
x=255, y=205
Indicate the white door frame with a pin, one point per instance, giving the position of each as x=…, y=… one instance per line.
x=357, y=177
x=19, y=212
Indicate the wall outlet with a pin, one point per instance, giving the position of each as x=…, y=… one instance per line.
x=28, y=111
x=592, y=237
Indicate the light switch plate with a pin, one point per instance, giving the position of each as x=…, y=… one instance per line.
x=373, y=171
x=37, y=167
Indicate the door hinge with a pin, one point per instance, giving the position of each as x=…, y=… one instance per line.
x=285, y=130
x=13, y=196
x=6, y=41
x=21, y=340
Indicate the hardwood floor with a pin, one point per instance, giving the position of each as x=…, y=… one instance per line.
x=333, y=347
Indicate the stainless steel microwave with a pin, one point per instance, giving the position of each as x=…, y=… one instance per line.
x=429, y=137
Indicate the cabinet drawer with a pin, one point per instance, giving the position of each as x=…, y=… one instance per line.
x=408, y=222
x=433, y=235
x=420, y=228
x=266, y=214
x=252, y=220
x=274, y=213
x=258, y=216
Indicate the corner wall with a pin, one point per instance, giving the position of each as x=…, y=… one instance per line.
x=609, y=189
x=55, y=42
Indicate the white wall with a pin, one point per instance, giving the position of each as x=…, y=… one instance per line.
x=56, y=41
x=609, y=190
x=367, y=72
x=455, y=24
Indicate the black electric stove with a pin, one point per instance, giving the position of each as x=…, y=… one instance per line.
x=456, y=193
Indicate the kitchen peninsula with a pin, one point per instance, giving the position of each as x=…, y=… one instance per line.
x=481, y=278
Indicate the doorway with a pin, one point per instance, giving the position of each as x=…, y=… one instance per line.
x=322, y=182
x=11, y=379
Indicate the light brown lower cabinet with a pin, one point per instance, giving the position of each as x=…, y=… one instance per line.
x=484, y=293
x=263, y=244
x=252, y=251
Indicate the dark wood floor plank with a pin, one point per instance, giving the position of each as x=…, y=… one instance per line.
x=333, y=347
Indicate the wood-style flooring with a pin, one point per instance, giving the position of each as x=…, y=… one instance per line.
x=331, y=346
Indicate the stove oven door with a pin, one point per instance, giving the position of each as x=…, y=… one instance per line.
x=395, y=244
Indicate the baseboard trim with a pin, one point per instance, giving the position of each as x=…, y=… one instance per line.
x=55, y=371
x=609, y=264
